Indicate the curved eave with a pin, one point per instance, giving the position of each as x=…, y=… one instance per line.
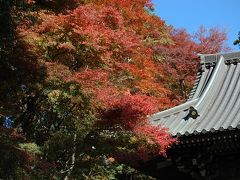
x=216, y=97
x=212, y=130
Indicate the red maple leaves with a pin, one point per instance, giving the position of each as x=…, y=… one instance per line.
x=126, y=58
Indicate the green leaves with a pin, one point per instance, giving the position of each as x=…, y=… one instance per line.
x=31, y=148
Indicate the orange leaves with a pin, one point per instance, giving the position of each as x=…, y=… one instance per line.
x=67, y=46
x=30, y=1
x=97, y=23
x=112, y=18
x=152, y=88
x=130, y=4
x=112, y=30
x=146, y=78
x=51, y=22
x=102, y=29
x=91, y=78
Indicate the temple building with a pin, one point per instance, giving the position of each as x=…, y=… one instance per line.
x=207, y=125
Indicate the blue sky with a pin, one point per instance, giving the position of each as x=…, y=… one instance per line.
x=191, y=14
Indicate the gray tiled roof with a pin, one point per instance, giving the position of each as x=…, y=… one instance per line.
x=215, y=96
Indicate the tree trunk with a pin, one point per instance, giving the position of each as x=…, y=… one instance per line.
x=73, y=159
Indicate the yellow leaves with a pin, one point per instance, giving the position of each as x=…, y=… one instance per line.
x=54, y=95
x=32, y=148
x=133, y=140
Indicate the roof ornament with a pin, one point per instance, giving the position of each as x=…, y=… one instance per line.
x=191, y=114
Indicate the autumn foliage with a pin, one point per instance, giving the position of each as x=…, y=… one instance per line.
x=84, y=75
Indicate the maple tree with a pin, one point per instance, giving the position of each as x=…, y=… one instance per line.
x=80, y=77
x=181, y=58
